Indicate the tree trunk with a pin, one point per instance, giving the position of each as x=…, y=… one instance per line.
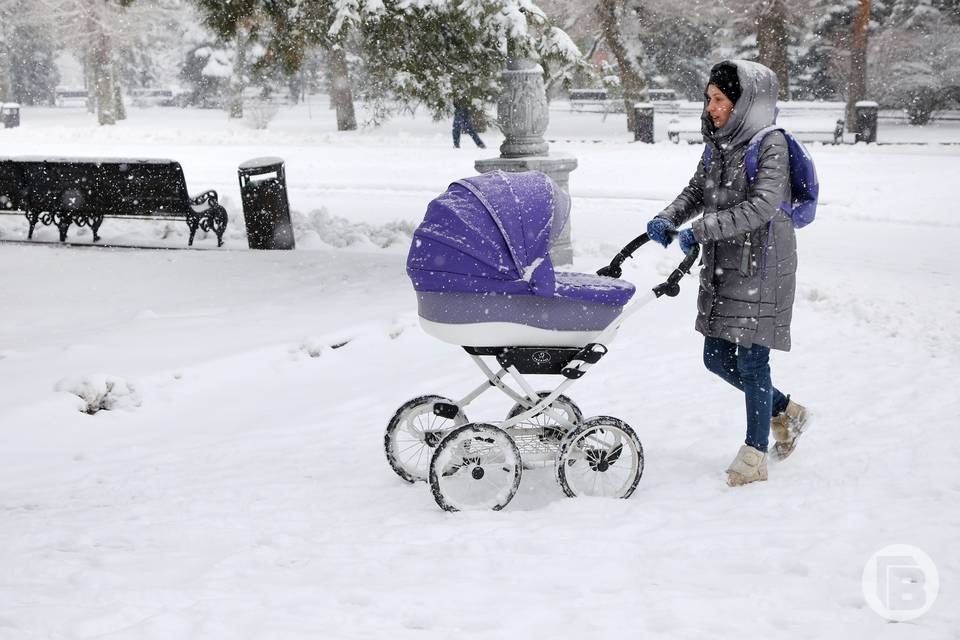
x=6, y=44
x=119, y=108
x=238, y=81
x=6, y=89
x=340, y=92
x=103, y=70
x=772, y=40
x=857, y=80
x=90, y=80
x=631, y=79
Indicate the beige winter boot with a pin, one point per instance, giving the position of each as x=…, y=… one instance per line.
x=750, y=465
x=787, y=427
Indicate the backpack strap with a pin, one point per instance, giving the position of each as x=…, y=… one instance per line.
x=753, y=150
x=707, y=156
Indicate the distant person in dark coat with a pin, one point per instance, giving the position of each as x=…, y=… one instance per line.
x=462, y=121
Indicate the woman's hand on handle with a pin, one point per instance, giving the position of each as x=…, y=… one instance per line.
x=661, y=230
x=687, y=240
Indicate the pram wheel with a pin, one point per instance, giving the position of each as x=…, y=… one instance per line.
x=412, y=434
x=602, y=457
x=538, y=437
x=551, y=428
x=477, y=466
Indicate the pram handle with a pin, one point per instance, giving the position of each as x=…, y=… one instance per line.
x=613, y=269
x=672, y=286
x=669, y=288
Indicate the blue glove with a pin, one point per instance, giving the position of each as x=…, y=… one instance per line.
x=658, y=230
x=687, y=240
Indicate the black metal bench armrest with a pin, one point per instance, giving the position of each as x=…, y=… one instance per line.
x=205, y=201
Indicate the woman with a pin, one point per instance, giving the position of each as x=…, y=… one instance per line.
x=749, y=258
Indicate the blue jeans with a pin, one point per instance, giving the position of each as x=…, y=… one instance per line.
x=749, y=371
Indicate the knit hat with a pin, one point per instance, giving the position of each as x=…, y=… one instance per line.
x=724, y=77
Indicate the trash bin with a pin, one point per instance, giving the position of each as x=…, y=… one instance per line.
x=866, y=112
x=266, y=210
x=10, y=114
x=643, y=122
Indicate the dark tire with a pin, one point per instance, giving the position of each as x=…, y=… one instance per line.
x=477, y=466
x=412, y=434
x=601, y=457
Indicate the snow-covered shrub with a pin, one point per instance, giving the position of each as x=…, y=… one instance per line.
x=340, y=233
x=314, y=347
x=101, y=392
x=259, y=113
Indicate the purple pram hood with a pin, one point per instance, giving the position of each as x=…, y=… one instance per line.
x=491, y=233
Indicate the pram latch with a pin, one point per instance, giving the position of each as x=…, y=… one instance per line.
x=588, y=355
x=446, y=410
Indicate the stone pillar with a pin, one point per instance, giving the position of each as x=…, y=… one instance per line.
x=522, y=116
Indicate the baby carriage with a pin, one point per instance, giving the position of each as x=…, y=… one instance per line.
x=481, y=268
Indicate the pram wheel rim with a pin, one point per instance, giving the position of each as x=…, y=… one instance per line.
x=583, y=465
x=454, y=480
x=430, y=426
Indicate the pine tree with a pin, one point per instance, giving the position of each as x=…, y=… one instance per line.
x=675, y=49
x=406, y=54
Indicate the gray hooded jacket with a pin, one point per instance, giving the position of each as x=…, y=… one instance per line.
x=749, y=261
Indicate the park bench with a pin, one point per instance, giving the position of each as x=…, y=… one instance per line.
x=84, y=191
x=595, y=100
x=807, y=122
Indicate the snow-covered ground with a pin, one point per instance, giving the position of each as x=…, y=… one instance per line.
x=239, y=488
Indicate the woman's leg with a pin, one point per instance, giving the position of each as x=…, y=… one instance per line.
x=753, y=365
x=720, y=358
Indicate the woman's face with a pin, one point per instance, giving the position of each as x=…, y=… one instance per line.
x=719, y=106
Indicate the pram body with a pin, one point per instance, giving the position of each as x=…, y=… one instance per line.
x=481, y=269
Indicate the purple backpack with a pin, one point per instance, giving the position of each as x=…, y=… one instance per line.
x=804, y=187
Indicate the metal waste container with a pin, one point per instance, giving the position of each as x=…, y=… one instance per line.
x=266, y=210
x=10, y=114
x=643, y=122
x=866, y=112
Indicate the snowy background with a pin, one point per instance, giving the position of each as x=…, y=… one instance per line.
x=238, y=488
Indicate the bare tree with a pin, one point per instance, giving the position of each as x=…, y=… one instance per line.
x=857, y=80
x=89, y=28
x=610, y=13
x=238, y=79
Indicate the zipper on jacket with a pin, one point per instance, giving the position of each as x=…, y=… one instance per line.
x=745, y=256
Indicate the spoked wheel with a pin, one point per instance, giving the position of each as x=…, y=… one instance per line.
x=602, y=457
x=551, y=428
x=413, y=433
x=477, y=466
